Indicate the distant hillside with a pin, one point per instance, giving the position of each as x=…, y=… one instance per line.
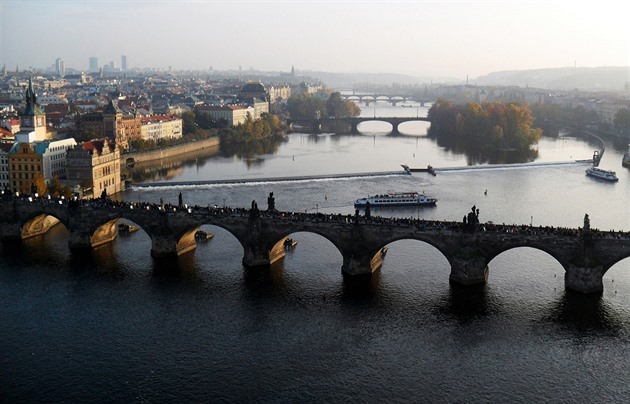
x=565, y=78
x=349, y=80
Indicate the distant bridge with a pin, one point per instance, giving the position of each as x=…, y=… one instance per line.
x=585, y=254
x=394, y=99
x=348, y=124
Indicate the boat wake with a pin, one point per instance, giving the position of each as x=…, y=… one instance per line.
x=515, y=166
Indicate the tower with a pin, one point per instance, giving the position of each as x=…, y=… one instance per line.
x=123, y=63
x=60, y=67
x=32, y=120
x=93, y=64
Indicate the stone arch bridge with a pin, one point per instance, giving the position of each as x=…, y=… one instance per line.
x=585, y=255
x=348, y=124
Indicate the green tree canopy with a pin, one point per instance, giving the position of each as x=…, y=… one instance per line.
x=622, y=118
x=308, y=106
x=484, y=126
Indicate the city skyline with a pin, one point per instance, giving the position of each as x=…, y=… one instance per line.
x=455, y=39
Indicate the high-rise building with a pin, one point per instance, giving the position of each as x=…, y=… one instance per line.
x=123, y=63
x=60, y=67
x=93, y=64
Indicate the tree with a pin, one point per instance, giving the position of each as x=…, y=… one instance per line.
x=622, y=119
x=38, y=181
x=57, y=189
x=484, y=126
x=188, y=123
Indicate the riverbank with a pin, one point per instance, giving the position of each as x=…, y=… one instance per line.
x=171, y=151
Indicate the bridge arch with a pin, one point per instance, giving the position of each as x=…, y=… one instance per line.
x=39, y=222
x=427, y=248
x=514, y=246
x=281, y=237
x=314, y=247
x=382, y=126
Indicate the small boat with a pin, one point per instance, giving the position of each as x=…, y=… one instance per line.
x=125, y=229
x=597, y=172
x=201, y=235
x=626, y=158
x=396, y=199
x=289, y=243
x=431, y=170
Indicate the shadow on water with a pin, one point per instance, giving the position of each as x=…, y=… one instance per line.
x=265, y=282
x=585, y=313
x=465, y=303
x=361, y=289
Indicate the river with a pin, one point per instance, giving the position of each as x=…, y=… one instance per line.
x=116, y=325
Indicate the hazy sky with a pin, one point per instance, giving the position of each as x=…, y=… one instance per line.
x=419, y=38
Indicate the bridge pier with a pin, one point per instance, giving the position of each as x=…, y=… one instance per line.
x=584, y=279
x=357, y=265
x=10, y=232
x=82, y=238
x=168, y=246
x=468, y=271
x=395, y=130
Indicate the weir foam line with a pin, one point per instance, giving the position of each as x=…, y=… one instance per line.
x=269, y=179
x=513, y=166
x=348, y=175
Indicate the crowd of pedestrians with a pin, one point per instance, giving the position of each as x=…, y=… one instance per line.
x=469, y=224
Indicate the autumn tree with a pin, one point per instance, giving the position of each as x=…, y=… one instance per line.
x=622, y=119
x=38, y=181
x=484, y=126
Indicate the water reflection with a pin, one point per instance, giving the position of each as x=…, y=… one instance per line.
x=250, y=151
x=464, y=303
x=476, y=155
x=168, y=167
x=584, y=313
x=362, y=290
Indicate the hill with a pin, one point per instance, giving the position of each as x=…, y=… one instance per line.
x=564, y=78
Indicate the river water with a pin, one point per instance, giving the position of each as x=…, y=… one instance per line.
x=115, y=325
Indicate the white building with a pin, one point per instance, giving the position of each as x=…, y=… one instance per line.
x=54, y=157
x=233, y=114
x=4, y=165
x=157, y=127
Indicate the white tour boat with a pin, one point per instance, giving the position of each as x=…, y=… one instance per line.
x=607, y=175
x=396, y=199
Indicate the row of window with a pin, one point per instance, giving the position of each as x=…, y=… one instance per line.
x=25, y=167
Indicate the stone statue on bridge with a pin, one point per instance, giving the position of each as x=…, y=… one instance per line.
x=587, y=223
x=472, y=219
x=254, y=212
x=271, y=203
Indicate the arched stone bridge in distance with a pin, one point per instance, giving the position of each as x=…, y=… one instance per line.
x=352, y=123
x=394, y=99
x=585, y=255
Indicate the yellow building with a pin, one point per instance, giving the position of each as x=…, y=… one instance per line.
x=25, y=163
x=37, y=163
x=95, y=167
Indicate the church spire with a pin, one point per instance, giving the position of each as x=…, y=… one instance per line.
x=32, y=108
